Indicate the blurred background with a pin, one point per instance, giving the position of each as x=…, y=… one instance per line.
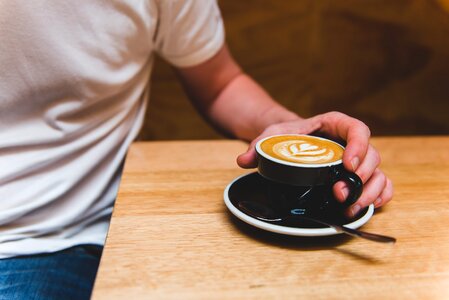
x=384, y=62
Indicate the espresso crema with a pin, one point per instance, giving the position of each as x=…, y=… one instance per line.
x=302, y=149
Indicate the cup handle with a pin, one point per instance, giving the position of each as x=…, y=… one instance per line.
x=353, y=181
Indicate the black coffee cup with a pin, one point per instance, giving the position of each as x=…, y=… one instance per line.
x=308, y=174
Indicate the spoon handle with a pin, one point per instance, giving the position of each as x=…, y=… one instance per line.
x=353, y=232
x=264, y=213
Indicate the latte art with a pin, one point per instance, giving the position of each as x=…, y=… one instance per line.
x=302, y=149
x=303, y=152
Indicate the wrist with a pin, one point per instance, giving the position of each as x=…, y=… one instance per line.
x=276, y=114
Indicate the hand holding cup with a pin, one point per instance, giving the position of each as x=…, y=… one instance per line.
x=359, y=156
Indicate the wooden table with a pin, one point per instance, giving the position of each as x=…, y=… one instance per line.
x=171, y=235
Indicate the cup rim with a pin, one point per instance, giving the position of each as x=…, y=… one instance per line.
x=292, y=164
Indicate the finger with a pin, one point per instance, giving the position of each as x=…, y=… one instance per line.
x=386, y=195
x=371, y=191
x=365, y=171
x=248, y=160
x=341, y=191
x=369, y=164
x=353, y=131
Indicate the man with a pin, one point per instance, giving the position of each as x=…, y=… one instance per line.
x=74, y=86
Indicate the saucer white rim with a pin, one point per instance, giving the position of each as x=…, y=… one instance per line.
x=289, y=230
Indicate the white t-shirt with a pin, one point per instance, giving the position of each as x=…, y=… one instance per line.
x=73, y=90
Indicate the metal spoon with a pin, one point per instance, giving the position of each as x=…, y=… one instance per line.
x=264, y=213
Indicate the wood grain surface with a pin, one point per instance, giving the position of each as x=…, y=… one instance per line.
x=171, y=236
x=384, y=62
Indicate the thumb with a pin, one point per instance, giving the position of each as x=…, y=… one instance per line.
x=248, y=159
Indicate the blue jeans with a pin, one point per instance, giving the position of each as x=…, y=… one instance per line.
x=66, y=274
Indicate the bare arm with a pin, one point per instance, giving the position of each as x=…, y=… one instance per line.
x=229, y=99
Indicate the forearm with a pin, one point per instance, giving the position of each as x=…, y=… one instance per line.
x=229, y=99
x=244, y=109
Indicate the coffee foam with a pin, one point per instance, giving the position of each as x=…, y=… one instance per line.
x=302, y=149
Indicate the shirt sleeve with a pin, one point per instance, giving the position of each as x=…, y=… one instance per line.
x=189, y=32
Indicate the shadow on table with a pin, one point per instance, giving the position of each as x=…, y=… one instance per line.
x=301, y=243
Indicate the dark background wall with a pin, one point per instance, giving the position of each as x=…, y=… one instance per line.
x=384, y=62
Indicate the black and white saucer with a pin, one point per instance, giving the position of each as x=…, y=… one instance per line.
x=283, y=200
